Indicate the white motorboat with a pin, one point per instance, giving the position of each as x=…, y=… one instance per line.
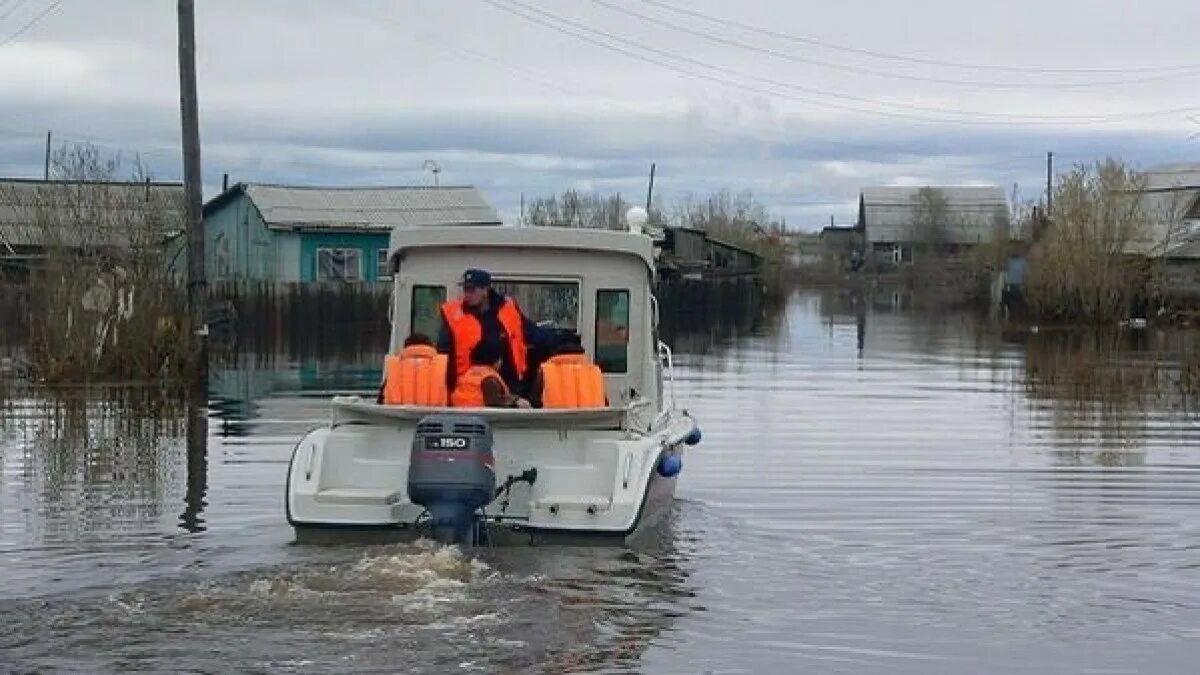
x=607, y=472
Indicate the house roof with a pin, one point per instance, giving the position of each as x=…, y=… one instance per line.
x=1169, y=176
x=1188, y=249
x=362, y=208
x=1171, y=196
x=711, y=239
x=838, y=230
x=972, y=212
x=75, y=214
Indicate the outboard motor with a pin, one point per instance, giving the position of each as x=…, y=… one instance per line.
x=452, y=473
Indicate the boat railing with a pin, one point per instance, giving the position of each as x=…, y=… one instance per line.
x=667, y=359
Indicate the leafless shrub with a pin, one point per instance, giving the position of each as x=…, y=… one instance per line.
x=102, y=301
x=1090, y=264
x=573, y=209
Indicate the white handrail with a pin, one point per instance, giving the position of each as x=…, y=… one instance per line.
x=665, y=355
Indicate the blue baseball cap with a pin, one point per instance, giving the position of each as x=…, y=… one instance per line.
x=476, y=277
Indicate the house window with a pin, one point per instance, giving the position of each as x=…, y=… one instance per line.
x=426, y=316
x=381, y=265
x=612, y=330
x=339, y=264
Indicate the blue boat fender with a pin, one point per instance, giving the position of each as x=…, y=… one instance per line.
x=693, y=436
x=669, y=466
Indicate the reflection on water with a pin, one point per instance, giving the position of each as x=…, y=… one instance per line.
x=881, y=489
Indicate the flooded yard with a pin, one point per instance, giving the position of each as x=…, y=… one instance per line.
x=879, y=490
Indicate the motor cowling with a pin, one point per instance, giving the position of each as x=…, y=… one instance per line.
x=452, y=473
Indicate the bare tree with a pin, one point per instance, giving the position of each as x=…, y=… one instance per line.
x=102, y=299
x=572, y=209
x=931, y=226
x=1091, y=262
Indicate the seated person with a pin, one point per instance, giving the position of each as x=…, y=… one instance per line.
x=482, y=386
x=569, y=379
x=415, y=376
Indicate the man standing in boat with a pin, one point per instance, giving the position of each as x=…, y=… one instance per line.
x=482, y=314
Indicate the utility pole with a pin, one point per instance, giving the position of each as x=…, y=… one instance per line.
x=1049, y=181
x=46, y=170
x=197, y=285
x=650, y=190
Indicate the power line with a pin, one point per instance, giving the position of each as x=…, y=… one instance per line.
x=980, y=84
x=443, y=43
x=20, y=31
x=583, y=32
x=811, y=41
x=12, y=10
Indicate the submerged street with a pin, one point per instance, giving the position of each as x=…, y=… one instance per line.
x=878, y=490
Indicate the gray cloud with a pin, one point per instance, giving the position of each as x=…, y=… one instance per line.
x=363, y=91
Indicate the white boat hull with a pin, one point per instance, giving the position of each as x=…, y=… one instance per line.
x=594, y=481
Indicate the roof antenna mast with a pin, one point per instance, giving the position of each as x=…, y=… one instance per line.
x=433, y=168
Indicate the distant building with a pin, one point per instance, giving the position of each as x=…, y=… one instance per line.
x=895, y=221
x=692, y=253
x=804, y=249
x=84, y=216
x=282, y=233
x=841, y=246
x=1171, y=202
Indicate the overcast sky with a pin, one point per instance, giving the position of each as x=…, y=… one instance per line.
x=801, y=102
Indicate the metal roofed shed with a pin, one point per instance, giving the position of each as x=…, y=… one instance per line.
x=692, y=253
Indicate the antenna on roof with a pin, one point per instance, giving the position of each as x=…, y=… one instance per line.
x=433, y=168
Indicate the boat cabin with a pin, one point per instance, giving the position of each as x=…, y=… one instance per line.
x=594, y=282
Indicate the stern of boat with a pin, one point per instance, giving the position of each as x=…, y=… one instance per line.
x=591, y=479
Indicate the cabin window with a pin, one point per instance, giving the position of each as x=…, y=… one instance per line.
x=339, y=264
x=612, y=330
x=426, y=317
x=550, y=304
x=381, y=265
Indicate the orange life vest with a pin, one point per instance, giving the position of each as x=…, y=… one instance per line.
x=467, y=332
x=468, y=390
x=417, y=376
x=572, y=381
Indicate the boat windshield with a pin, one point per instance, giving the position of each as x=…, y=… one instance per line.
x=550, y=304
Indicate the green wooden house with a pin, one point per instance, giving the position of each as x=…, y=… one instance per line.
x=288, y=233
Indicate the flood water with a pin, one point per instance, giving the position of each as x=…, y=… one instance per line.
x=880, y=490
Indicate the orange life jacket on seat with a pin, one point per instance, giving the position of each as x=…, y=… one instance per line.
x=417, y=376
x=466, y=333
x=468, y=390
x=572, y=381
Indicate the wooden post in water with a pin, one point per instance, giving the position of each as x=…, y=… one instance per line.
x=197, y=285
